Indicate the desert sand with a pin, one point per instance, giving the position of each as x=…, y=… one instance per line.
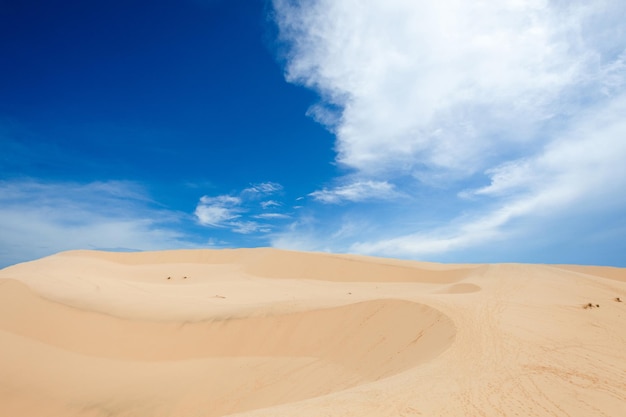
x=264, y=332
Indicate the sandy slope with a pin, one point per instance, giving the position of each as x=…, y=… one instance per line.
x=262, y=332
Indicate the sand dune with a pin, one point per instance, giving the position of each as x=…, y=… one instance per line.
x=263, y=332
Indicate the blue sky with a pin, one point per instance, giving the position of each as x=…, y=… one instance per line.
x=451, y=131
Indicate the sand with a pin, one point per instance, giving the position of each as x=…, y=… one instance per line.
x=264, y=332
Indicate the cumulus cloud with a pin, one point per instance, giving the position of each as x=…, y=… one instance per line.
x=507, y=111
x=356, y=191
x=448, y=85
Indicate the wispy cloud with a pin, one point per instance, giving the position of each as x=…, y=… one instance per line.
x=356, y=191
x=264, y=188
x=581, y=174
x=40, y=218
x=270, y=203
x=235, y=211
x=248, y=227
x=216, y=211
x=272, y=216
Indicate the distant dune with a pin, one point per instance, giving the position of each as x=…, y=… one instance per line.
x=264, y=332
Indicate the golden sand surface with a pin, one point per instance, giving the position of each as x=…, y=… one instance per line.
x=266, y=332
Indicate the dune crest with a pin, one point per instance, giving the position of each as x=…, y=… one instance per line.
x=273, y=263
x=263, y=332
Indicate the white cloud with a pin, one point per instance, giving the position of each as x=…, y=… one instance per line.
x=582, y=173
x=448, y=86
x=269, y=203
x=441, y=97
x=248, y=227
x=234, y=211
x=272, y=216
x=356, y=191
x=264, y=188
x=215, y=211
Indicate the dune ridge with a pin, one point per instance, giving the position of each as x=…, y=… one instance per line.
x=267, y=262
x=264, y=332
